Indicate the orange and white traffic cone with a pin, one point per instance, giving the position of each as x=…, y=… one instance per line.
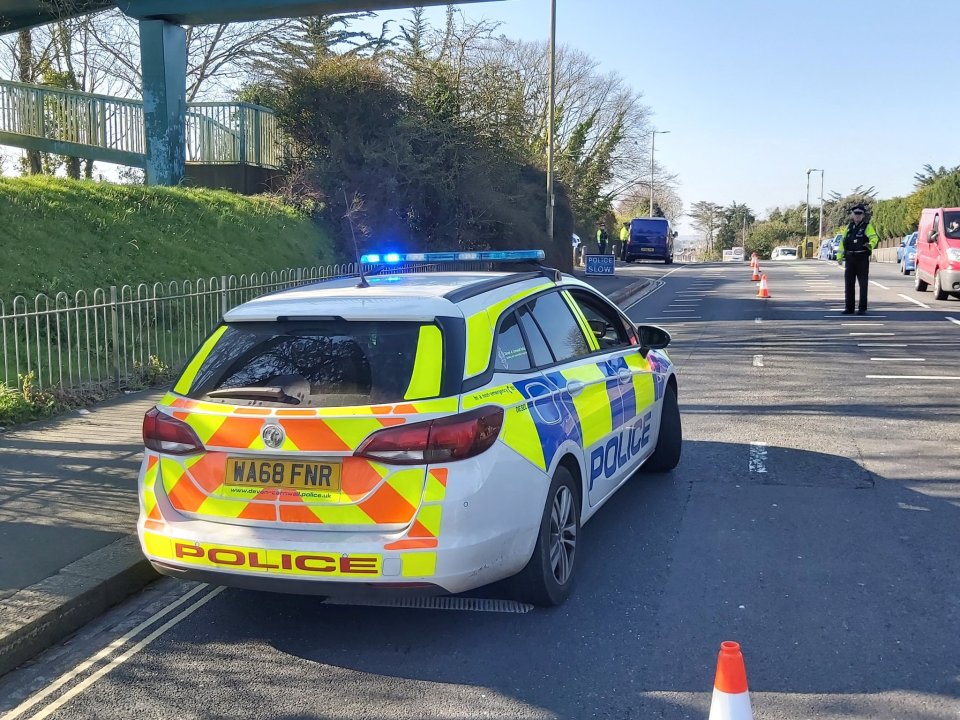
x=756, y=273
x=764, y=290
x=731, y=700
x=754, y=261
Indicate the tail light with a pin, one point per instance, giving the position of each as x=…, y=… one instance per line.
x=168, y=435
x=451, y=438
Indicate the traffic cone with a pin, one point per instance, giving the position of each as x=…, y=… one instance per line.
x=754, y=262
x=756, y=273
x=731, y=700
x=764, y=290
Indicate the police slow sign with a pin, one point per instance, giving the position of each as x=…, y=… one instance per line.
x=600, y=264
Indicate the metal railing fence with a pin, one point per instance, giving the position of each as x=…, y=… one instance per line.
x=217, y=132
x=110, y=335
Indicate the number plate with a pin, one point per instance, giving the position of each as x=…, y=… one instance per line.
x=646, y=249
x=246, y=472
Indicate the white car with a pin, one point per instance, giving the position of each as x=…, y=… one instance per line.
x=427, y=433
x=784, y=253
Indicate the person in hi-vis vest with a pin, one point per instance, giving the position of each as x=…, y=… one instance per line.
x=857, y=243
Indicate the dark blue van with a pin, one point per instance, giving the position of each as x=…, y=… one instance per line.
x=650, y=239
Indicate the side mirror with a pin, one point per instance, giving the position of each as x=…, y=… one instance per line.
x=675, y=233
x=934, y=234
x=652, y=338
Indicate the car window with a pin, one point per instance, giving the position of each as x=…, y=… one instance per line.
x=560, y=327
x=536, y=343
x=607, y=325
x=511, y=351
x=951, y=224
x=323, y=363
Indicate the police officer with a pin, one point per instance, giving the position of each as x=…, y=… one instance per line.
x=602, y=238
x=624, y=239
x=857, y=243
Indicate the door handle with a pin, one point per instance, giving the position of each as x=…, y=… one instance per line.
x=624, y=375
x=575, y=387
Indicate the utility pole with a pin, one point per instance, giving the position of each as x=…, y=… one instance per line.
x=551, y=111
x=821, y=206
x=653, y=145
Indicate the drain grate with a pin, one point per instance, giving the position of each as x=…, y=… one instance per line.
x=443, y=603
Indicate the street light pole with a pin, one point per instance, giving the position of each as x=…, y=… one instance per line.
x=821, y=205
x=551, y=111
x=653, y=145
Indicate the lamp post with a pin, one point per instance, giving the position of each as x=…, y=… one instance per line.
x=551, y=111
x=821, y=206
x=806, y=226
x=653, y=145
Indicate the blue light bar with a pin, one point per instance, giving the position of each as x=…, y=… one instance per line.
x=445, y=257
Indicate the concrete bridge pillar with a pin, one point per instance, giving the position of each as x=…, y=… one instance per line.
x=163, y=55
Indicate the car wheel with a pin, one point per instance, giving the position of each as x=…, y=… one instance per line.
x=666, y=455
x=938, y=293
x=548, y=577
x=918, y=284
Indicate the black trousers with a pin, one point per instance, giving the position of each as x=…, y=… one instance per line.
x=857, y=271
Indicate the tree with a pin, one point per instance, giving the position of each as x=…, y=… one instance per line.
x=928, y=175
x=836, y=210
x=707, y=218
x=735, y=218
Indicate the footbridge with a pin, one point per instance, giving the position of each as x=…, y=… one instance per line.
x=112, y=129
x=167, y=127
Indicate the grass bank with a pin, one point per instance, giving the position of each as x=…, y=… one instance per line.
x=66, y=235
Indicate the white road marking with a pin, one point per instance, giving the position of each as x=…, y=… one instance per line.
x=915, y=302
x=676, y=317
x=676, y=311
x=758, y=360
x=758, y=320
x=913, y=377
x=840, y=316
x=874, y=282
x=862, y=324
x=879, y=345
x=864, y=334
x=898, y=359
x=758, y=457
x=115, y=662
x=953, y=320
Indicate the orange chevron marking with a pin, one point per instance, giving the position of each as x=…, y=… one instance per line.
x=440, y=475
x=412, y=544
x=185, y=495
x=259, y=510
x=358, y=477
x=388, y=506
x=236, y=432
x=209, y=471
x=313, y=435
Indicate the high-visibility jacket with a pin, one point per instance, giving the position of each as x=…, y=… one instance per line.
x=624, y=234
x=857, y=238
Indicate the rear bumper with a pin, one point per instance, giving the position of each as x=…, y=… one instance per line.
x=488, y=523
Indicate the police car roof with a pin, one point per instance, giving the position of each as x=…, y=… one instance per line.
x=407, y=296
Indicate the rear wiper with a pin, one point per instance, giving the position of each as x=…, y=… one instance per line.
x=257, y=392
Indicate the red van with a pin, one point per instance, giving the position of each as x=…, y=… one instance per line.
x=938, y=252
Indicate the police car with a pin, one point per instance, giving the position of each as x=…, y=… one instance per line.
x=406, y=432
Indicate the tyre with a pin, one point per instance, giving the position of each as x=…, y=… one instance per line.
x=666, y=455
x=918, y=284
x=903, y=269
x=938, y=293
x=548, y=577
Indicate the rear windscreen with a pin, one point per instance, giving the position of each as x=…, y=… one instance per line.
x=325, y=363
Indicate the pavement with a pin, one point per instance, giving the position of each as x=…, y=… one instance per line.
x=68, y=513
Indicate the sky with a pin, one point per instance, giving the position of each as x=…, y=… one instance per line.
x=755, y=93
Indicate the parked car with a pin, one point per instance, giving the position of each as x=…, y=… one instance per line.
x=784, y=253
x=909, y=262
x=826, y=250
x=938, y=252
x=907, y=242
